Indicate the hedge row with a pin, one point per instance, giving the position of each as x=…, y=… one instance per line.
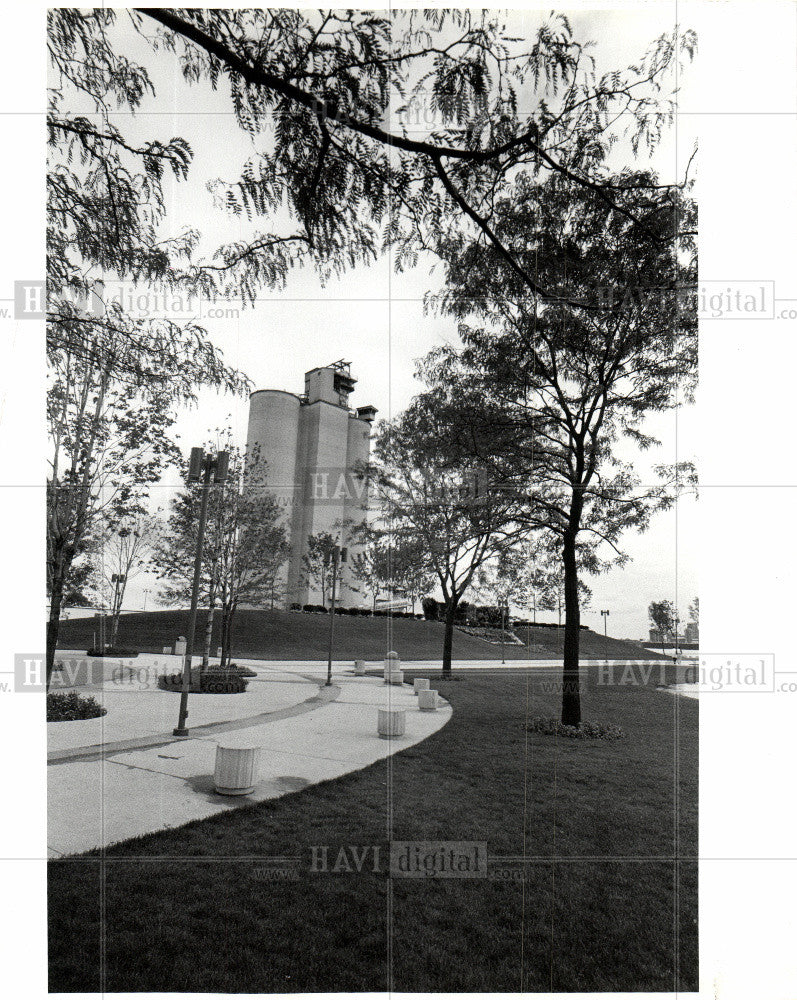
x=319, y=609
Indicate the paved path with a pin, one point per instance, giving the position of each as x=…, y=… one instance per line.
x=117, y=793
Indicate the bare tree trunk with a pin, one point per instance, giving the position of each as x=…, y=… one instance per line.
x=225, y=637
x=571, y=695
x=54, y=619
x=448, y=635
x=229, y=634
x=117, y=614
x=208, y=638
x=209, y=622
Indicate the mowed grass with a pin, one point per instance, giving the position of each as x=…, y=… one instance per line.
x=606, y=899
x=291, y=635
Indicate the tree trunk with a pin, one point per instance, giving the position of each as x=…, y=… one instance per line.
x=54, y=620
x=571, y=695
x=209, y=622
x=208, y=638
x=229, y=635
x=448, y=636
x=225, y=639
x=117, y=614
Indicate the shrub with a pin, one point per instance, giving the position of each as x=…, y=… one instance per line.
x=72, y=706
x=430, y=609
x=120, y=651
x=584, y=731
x=296, y=607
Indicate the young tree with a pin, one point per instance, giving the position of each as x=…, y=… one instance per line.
x=120, y=554
x=410, y=570
x=317, y=563
x=372, y=566
x=244, y=550
x=663, y=618
x=437, y=506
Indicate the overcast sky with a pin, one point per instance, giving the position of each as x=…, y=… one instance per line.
x=375, y=318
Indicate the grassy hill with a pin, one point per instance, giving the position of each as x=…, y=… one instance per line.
x=291, y=635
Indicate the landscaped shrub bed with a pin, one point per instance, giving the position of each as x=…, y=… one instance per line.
x=120, y=651
x=72, y=706
x=495, y=635
x=584, y=731
x=319, y=609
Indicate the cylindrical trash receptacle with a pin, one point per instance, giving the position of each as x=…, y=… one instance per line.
x=392, y=722
x=427, y=701
x=420, y=684
x=395, y=677
x=392, y=663
x=359, y=668
x=236, y=770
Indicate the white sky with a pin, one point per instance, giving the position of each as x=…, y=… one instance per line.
x=374, y=317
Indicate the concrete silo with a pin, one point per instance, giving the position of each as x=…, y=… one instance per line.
x=311, y=445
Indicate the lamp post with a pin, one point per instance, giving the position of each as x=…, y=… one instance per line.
x=605, y=616
x=201, y=468
x=146, y=594
x=337, y=555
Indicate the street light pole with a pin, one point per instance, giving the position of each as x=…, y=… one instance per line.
x=605, y=616
x=208, y=463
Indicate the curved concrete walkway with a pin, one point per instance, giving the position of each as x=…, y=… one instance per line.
x=117, y=793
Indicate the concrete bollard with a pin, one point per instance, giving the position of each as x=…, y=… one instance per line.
x=392, y=723
x=427, y=701
x=180, y=646
x=167, y=650
x=359, y=668
x=395, y=677
x=236, y=770
x=392, y=663
x=420, y=684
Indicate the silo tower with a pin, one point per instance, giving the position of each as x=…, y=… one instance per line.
x=311, y=446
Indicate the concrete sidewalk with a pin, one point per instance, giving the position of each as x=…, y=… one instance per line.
x=137, y=710
x=125, y=793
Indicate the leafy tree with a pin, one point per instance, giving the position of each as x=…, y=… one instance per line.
x=80, y=584
x=371, y=566
x=553, y=386
x=245, y=544
x=317, y=563
x=435, y=507
x=410, y=570
x=122, y=552
x=663, y=618
x=350, y=163
x=694, y=611
x=114, y=380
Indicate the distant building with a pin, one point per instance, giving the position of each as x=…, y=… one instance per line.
x=311, y=445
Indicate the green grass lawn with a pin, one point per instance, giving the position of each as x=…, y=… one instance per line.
x=605, y=901
x=290, y=635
